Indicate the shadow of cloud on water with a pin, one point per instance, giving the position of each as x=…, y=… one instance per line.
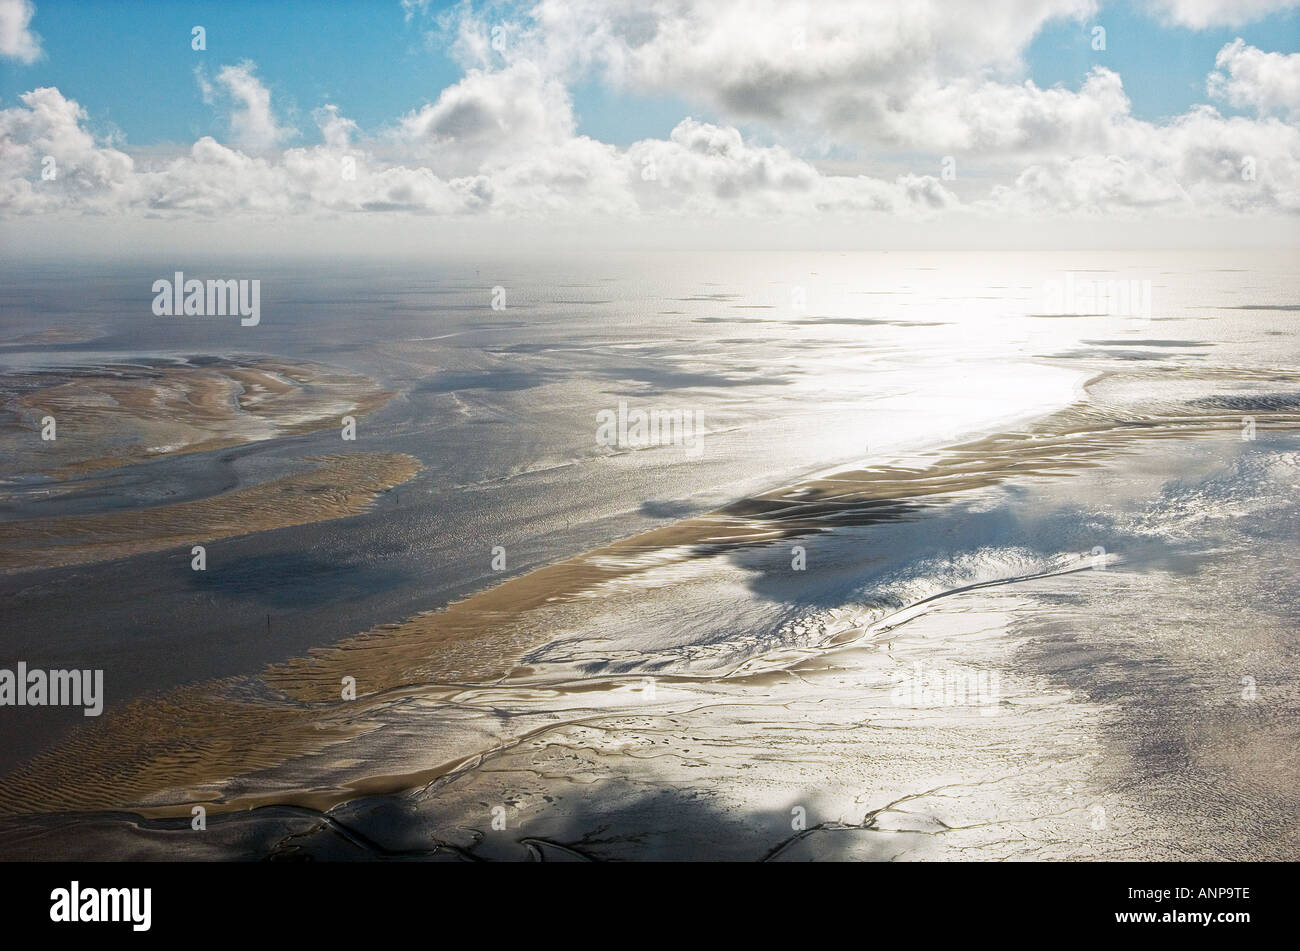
x=612, y=820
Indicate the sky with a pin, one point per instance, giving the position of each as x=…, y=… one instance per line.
x=719, y=122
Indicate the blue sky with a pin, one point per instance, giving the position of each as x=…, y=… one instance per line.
x=130, y=64
x=1163, y=67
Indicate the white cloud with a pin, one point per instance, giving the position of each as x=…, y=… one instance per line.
x=488, y=117
x=17, y=41
x=336, y=130
x=894, y=72
x=701, y=169
x=708, y=169
x=502, y=143
x=1201, y=165
x=87, y=176
x=252, y=121
x=1248, y=78
x=991, y=117
x=1201, y=14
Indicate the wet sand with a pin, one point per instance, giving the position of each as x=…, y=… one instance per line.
x=335, y=486
x=125, y=414
x=112, y=416
x=288, y=739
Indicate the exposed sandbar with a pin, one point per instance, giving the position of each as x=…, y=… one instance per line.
x=212, y=742
x=335, y=487
x=124, y=414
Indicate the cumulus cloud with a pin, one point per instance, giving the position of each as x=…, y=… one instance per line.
x=992, y=117
x=703, y=168
x=1201, y=164
x=489, y=116
x=700, y=169
x=913, y=73
x=336, y=130
x=252, y=121
x=1248, y=78
x=503, y=142
x=1202, y=14
x=49, y=160
x=214, y=179
x=17, y=41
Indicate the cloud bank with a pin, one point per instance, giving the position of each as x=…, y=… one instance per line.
x=934, y=83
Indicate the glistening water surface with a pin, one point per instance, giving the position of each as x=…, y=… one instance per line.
x=1121, y=553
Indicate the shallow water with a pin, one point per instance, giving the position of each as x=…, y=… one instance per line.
x=877, y=363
